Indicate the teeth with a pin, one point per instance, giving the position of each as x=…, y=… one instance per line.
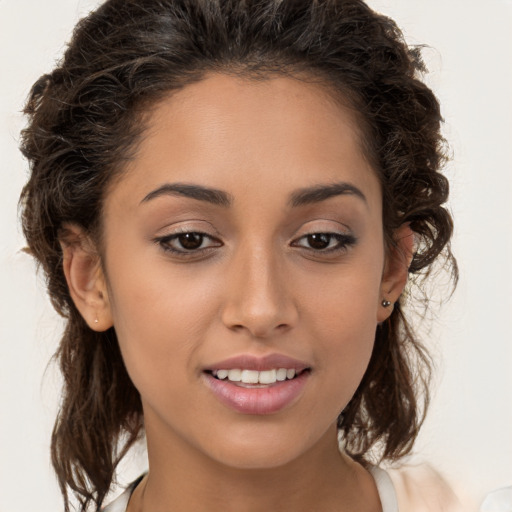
x=281, y=374
x=234, y=375
x=268, y=377
x=250, y=377
x=255, y=377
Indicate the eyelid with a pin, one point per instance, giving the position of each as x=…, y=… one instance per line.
x=325, y=225
x=345, y=241
x=164, y=242
x=335, y=234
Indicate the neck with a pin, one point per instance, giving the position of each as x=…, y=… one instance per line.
x=182, y=480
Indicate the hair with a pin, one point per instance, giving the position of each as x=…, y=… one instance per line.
x=84, y=121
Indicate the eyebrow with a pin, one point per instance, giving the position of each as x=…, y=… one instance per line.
x=301, y=197
x=210, y=195
x=320, y=193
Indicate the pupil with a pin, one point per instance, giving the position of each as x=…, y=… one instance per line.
x=191, y=240
x=319, y=240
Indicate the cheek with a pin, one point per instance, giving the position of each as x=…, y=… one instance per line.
x=158, y=317
x=345, y=301
x=344, y=316
x=348, y=336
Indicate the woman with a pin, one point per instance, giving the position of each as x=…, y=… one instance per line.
x=228, y=199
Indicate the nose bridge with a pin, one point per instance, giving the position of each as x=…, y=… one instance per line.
x=257, y=295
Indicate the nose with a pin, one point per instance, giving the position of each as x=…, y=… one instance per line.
x=257, y=294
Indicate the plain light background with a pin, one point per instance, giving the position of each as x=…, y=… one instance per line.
x=468, y=434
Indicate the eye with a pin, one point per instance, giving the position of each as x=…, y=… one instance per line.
x=325, y=242
x=187, y=243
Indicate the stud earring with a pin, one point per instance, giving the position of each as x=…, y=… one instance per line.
x=385, y=303
x=95, y=320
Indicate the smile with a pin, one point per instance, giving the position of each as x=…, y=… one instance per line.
x=254, y=377
x=257, y=385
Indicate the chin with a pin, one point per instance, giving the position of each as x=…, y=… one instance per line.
x=260, y=449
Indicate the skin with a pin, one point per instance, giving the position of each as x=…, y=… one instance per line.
x=257, y=288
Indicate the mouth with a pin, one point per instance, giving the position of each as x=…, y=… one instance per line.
x=256, y=379
x=255, y=385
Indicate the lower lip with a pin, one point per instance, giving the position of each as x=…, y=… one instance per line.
x=265, y=400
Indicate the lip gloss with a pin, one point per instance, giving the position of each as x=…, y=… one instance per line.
x=258, y=399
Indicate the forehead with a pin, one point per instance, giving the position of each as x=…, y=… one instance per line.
x=225, y=131
x=220, y=100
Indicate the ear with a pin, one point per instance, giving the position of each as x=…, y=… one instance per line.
x=85, y=278
x=396, y=269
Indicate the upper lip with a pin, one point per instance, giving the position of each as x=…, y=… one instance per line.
x=250, y=362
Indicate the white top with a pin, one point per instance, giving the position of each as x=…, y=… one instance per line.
x=384, y=486
x=386, y=489
x=498, y=501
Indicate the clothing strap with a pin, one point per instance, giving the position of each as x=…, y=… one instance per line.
x=386, y=489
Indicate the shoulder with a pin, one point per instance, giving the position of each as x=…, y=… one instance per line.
x=420, y=488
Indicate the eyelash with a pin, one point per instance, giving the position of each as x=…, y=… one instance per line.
x=344, y=242
x=165, y=243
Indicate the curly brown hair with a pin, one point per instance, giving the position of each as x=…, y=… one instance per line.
x=86, y=117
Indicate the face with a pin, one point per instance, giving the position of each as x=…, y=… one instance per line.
x=245, y=241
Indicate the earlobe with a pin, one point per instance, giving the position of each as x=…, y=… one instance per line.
x=396, y=270
x=85, y=278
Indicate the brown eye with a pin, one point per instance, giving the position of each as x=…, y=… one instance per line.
x=190, y=241
x=319, y=241
x=325, y=243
